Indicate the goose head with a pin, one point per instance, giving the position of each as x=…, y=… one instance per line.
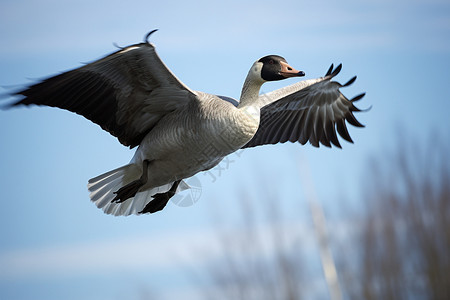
x=267, y=68
x=272, y=68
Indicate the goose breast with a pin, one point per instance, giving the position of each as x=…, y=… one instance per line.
x=186, y=143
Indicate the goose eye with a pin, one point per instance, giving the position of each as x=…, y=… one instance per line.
x=271, y=62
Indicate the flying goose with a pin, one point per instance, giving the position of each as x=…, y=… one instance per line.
x=179, y=132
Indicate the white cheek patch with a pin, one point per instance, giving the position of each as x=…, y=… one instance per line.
x=254, y=74
x=257, y=67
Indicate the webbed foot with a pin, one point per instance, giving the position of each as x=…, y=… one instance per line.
x=128, y=191
x=160, y=200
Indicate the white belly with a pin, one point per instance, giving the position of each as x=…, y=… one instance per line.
x=179, y=147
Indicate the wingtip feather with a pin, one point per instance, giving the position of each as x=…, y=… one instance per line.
x=358, y=97
x=343, y=132
x=337, y=70
x=351, y=81
x=352, y=120
x=330, y=69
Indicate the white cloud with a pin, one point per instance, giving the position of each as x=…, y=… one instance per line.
x=102, y=256
x=133, y=254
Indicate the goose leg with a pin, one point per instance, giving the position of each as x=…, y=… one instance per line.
x=160, y=200
x=130, y=190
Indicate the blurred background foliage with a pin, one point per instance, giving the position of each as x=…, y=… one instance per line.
x=395, y=246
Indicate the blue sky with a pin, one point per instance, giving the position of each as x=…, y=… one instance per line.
x=55, y=244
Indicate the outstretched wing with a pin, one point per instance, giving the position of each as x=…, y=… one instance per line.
x=126, y=92
x=310, y=110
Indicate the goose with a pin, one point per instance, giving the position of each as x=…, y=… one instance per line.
x=179, y=132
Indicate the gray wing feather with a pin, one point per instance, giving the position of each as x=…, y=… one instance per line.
x=126, y=92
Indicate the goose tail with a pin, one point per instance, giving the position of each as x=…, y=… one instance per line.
x=102, y=190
